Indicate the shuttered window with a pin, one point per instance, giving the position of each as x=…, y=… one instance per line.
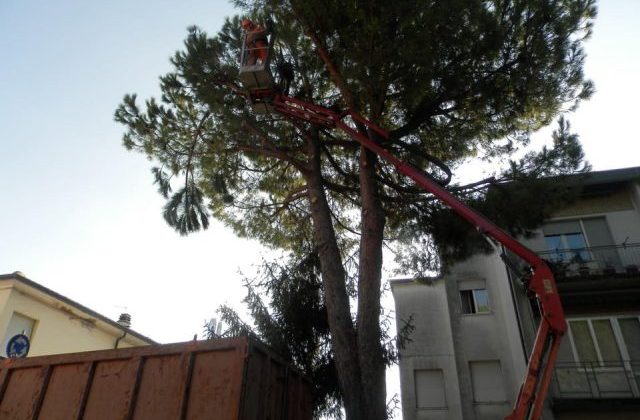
x=430, y=393
x=487, y=381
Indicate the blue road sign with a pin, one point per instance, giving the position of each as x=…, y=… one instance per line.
x=18, y=346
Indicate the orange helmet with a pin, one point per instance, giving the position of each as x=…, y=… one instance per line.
x=246, y=24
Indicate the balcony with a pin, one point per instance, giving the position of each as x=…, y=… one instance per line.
x=601, y=380
x=593, y=262
x=597, y=278
x=590, y=387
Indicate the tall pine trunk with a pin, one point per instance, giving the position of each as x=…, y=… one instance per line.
x=343, y=333
x=370, y=352
x=358, y=352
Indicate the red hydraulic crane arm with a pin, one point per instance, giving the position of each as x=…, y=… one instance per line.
x=552, y=326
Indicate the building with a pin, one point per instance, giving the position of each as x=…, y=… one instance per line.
x=56, y=324
x=475, y=327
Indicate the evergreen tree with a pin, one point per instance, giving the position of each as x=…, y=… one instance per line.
x=449, y=80
x=293, y=321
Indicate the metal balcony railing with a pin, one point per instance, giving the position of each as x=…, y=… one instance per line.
x=597, y=380
x=608, y=260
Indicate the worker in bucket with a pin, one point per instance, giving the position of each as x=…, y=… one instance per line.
x=256, y=43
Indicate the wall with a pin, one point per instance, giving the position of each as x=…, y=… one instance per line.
x=620, y=210
x=490, y=336
x=624, y=225
x=447, y=339
x=635, y=195
x=431, y=346
x=622, y=216
x=612, y=201
x=60, y=328
x=5, y=292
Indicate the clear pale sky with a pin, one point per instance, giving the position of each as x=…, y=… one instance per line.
x=78, y=212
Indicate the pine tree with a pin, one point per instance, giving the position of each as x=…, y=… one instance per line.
x=449, y=80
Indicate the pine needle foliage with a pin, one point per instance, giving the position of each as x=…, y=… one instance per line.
x=288, y=313
x=452, y=80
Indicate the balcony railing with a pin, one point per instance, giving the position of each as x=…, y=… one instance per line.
x=599, y=380
x=609, y=260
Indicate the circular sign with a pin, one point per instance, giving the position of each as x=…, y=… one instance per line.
x=18, y=346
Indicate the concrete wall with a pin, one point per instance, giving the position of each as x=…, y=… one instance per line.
x=621, y=212
x=492, y=336
x=614, y=201
x=445, y=338
x=59, y=328
x=4, y=297
x=623, y=225
x=635, y=196
x=431, y=346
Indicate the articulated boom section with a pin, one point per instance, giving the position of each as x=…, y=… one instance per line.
x=552, y=327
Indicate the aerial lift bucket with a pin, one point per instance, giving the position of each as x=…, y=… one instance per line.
x=255, y=74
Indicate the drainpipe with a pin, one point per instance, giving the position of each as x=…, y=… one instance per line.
x=124, y=321
x=511, y=281
x=509, y=266
x=118, y=340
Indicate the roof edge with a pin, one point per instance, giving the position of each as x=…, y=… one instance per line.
x=28, y=282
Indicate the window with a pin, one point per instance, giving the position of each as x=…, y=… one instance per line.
x=603, y=341
x=606, y=340
x=429, y=388
x=475, y=301
x=583, y=341
x=630, y=330
x=566, y=240
x=487, y=382
x=18, y=324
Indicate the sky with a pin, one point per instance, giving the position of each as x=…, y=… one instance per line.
x=79, y=214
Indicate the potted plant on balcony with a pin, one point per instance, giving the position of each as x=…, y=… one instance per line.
x=559, y=268
x=583, y=268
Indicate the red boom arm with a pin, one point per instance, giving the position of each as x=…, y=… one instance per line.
x=533, y=391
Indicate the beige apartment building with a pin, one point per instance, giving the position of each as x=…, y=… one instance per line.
x=475, y=326
x=56, y=324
